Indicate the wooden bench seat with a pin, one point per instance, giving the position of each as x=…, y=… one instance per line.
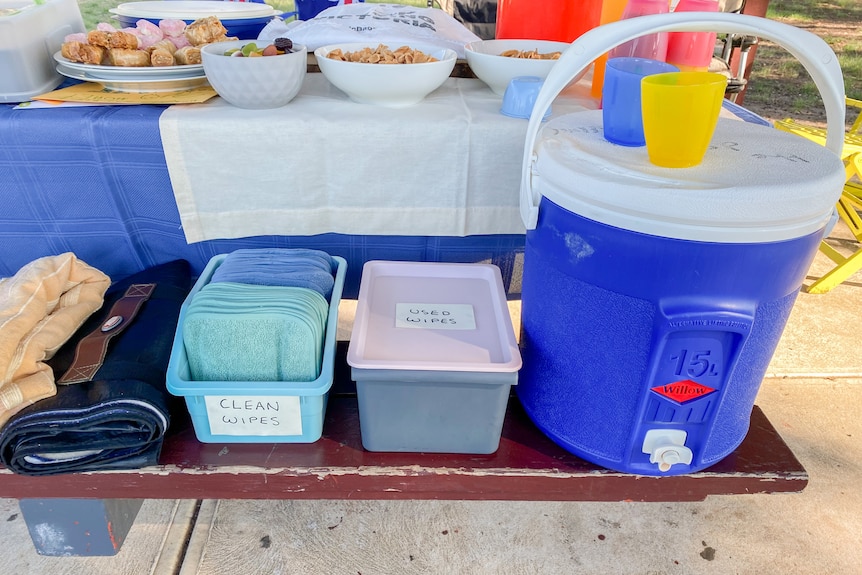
x=527, y=466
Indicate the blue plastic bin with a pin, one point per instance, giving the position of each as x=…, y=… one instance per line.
x=298, y=407
x=243, y=29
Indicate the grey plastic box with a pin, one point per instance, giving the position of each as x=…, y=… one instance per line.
x=434, y=356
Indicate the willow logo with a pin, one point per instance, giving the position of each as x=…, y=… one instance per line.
x=683, y=391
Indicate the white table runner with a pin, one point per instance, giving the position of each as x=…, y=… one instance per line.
x=449, y=166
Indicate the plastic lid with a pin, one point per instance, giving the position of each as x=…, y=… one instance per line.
x=756, y=184
x=421, y=316
x=194, y=9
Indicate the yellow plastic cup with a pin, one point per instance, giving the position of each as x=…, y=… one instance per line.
x=680, y=111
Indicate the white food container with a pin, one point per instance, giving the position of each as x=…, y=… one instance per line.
x=30, y=34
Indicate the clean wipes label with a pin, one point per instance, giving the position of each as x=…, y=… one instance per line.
x=254, y=415
x=435, y=315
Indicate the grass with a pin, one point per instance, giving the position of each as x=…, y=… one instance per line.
x=779, y=86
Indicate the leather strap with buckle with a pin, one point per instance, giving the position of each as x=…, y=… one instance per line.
x=91, y=350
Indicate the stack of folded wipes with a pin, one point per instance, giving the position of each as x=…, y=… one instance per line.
x=262, y=317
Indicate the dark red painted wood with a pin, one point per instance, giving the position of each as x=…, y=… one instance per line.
x=527, y=466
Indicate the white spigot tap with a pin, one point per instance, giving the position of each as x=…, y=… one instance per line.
x=666, y=447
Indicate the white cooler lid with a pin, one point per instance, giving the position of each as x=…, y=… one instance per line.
x=756, y=184
x=421, y=316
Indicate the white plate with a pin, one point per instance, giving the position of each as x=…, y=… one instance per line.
x=130, y=73
x=139, y=85
x=194, y=9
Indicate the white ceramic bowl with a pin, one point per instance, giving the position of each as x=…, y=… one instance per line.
x=254, y=83
x=391, y=85
x=484, y=59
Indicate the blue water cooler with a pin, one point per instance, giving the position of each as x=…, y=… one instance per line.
x=653, y=298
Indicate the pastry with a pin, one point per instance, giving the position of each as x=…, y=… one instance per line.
x=204, y=31
x=128, y=58
x=81, y=52
x=188, y=55
x=162, y=53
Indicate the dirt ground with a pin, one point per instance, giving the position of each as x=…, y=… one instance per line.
x=779, y=90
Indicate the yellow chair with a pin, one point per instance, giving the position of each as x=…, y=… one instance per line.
x=849, y=204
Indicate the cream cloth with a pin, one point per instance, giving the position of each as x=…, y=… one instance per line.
x=448, y=166
x=41, y=307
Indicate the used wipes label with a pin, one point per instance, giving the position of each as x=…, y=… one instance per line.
x=254, y=414
x=435, y=315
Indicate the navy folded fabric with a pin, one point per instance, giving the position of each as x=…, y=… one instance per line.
x=290, y=267
x=118, y=419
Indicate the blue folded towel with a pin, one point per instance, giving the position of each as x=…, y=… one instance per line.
x=298, y=267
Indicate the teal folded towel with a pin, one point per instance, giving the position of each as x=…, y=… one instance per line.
x=241, y=332
x=231, y=347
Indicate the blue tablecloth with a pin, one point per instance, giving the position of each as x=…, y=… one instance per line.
x=93, y=180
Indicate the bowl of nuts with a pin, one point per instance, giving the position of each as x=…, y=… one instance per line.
x=391, y=76
x=496, y=62
x=255, y=75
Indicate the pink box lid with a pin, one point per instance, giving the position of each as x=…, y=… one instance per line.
x=433, y=316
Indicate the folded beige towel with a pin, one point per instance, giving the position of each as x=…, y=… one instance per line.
x=41, y=306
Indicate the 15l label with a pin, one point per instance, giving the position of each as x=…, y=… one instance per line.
x=435, y=315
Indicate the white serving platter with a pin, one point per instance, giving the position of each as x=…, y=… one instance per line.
x=123, y=73
x=140, y=85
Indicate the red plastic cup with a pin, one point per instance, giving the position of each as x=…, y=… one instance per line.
x=559, y=20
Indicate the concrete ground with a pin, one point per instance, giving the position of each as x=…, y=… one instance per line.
x=812, y=395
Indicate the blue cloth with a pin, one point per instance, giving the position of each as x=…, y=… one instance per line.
x=306, y=268
x=94, y=181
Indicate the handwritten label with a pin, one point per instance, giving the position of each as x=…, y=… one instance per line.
x=93, y=92
x=435, y=315
x=254, y=415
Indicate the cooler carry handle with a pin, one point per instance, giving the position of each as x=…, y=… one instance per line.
x=814, y=54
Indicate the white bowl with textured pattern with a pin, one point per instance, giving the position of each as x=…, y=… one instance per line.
x=254, y=83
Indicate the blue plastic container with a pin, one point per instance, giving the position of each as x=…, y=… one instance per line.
x=299, y=406
x=308, y=9
x=242, y=28
x=653, y=298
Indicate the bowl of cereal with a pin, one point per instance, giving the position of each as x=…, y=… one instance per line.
x=255, y=75
x=496, y=62
x=391, y=76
